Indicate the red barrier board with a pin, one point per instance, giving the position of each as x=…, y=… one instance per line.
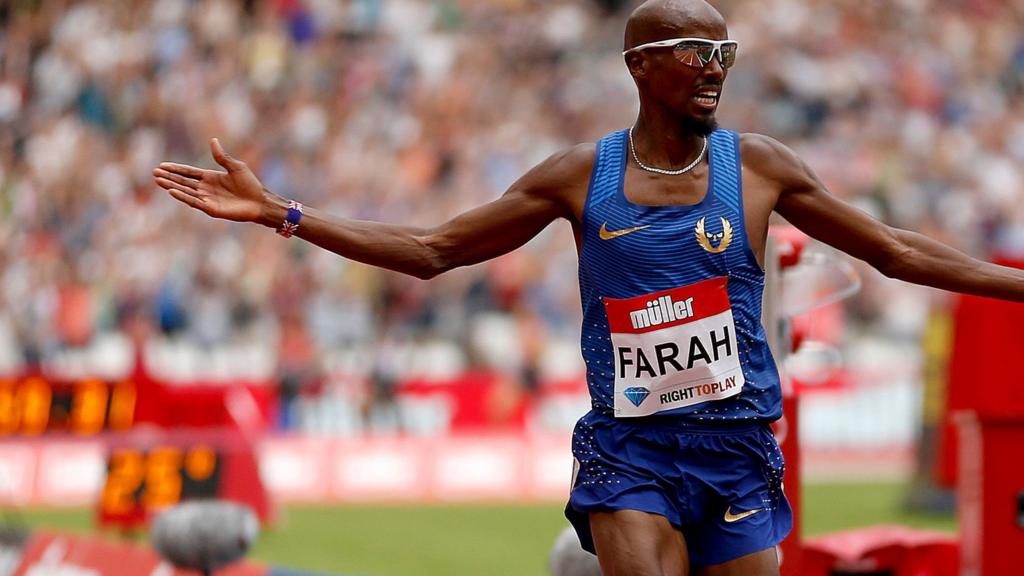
x=48, y=553
x=513, y=466
x=991, y=494
x=883, y=550
x=983, y=368
x=986, y=400
x=986, y=342
x=497, y=467
x=787, y=434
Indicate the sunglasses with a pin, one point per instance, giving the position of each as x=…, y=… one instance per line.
x=696, y=52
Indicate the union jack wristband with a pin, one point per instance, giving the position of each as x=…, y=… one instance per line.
x=291, y=222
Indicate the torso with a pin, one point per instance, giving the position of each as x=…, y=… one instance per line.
x=646, y=188
x=664, y=259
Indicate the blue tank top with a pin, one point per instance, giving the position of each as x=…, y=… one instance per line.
x=672, y=299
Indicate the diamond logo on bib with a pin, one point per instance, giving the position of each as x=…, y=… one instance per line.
x=637, y=395
x=677, y=346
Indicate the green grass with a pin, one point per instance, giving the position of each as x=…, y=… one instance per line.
x=461, y=539
x=831, y=507
x=416, y=540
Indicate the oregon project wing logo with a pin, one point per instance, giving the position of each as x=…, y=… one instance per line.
x=707, y=240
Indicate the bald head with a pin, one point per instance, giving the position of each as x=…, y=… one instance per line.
x=662, y=19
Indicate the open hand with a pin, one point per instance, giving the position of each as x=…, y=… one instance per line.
x=233, y=195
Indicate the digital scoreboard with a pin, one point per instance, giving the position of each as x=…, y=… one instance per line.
x=141, y=481
x=150, y=472
x=162, y=444
x=34, y=405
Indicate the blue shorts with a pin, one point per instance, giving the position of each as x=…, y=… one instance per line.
x=720, y=485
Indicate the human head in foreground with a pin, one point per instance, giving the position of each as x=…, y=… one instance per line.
x=679, y=53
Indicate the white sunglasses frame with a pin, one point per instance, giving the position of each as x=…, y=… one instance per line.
x=673, y=42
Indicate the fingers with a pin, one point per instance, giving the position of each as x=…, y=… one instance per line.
x=187, y=199
x=223, y=158
x=182, y=170
x=172, y=185
x=176, y=178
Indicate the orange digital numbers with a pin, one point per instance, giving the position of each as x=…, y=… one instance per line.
x=10, y=414
x=138, y=480
x=89, y=407
x=163, y=478
x=33, y=399
x=122, y=406
x=34, y=406
x=200, y=463
x=124, y=478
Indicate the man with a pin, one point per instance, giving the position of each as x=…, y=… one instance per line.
x=675, y=471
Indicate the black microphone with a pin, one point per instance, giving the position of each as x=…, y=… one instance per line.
x=204, y=535
x=568, y=558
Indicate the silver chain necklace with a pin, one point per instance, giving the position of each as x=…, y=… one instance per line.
x=691, y=166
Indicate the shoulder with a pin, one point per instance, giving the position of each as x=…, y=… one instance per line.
x=774, y=161
x=566, y=167
x=562, y=178
x=766, y=155
x=558, y=183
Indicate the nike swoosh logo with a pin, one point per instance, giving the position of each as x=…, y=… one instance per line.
x=730, y=517
x=606, y=235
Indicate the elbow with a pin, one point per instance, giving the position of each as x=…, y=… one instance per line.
x=890, y=253
x=429, y=268
x=435, y=260
x=896, y=262
x=428, y=272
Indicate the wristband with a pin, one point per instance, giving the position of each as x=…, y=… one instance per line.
x=291, y=222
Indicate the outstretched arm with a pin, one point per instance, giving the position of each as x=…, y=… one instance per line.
x=488, y=231
x=902, y=254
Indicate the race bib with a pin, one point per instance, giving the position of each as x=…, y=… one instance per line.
x=674, y=348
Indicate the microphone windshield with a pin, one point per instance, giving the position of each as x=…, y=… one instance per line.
x=204, y=535
x=568, y=558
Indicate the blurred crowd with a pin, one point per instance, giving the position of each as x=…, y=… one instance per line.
x=411, y=111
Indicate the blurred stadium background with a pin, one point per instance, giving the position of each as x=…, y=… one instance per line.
x=402, y=426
